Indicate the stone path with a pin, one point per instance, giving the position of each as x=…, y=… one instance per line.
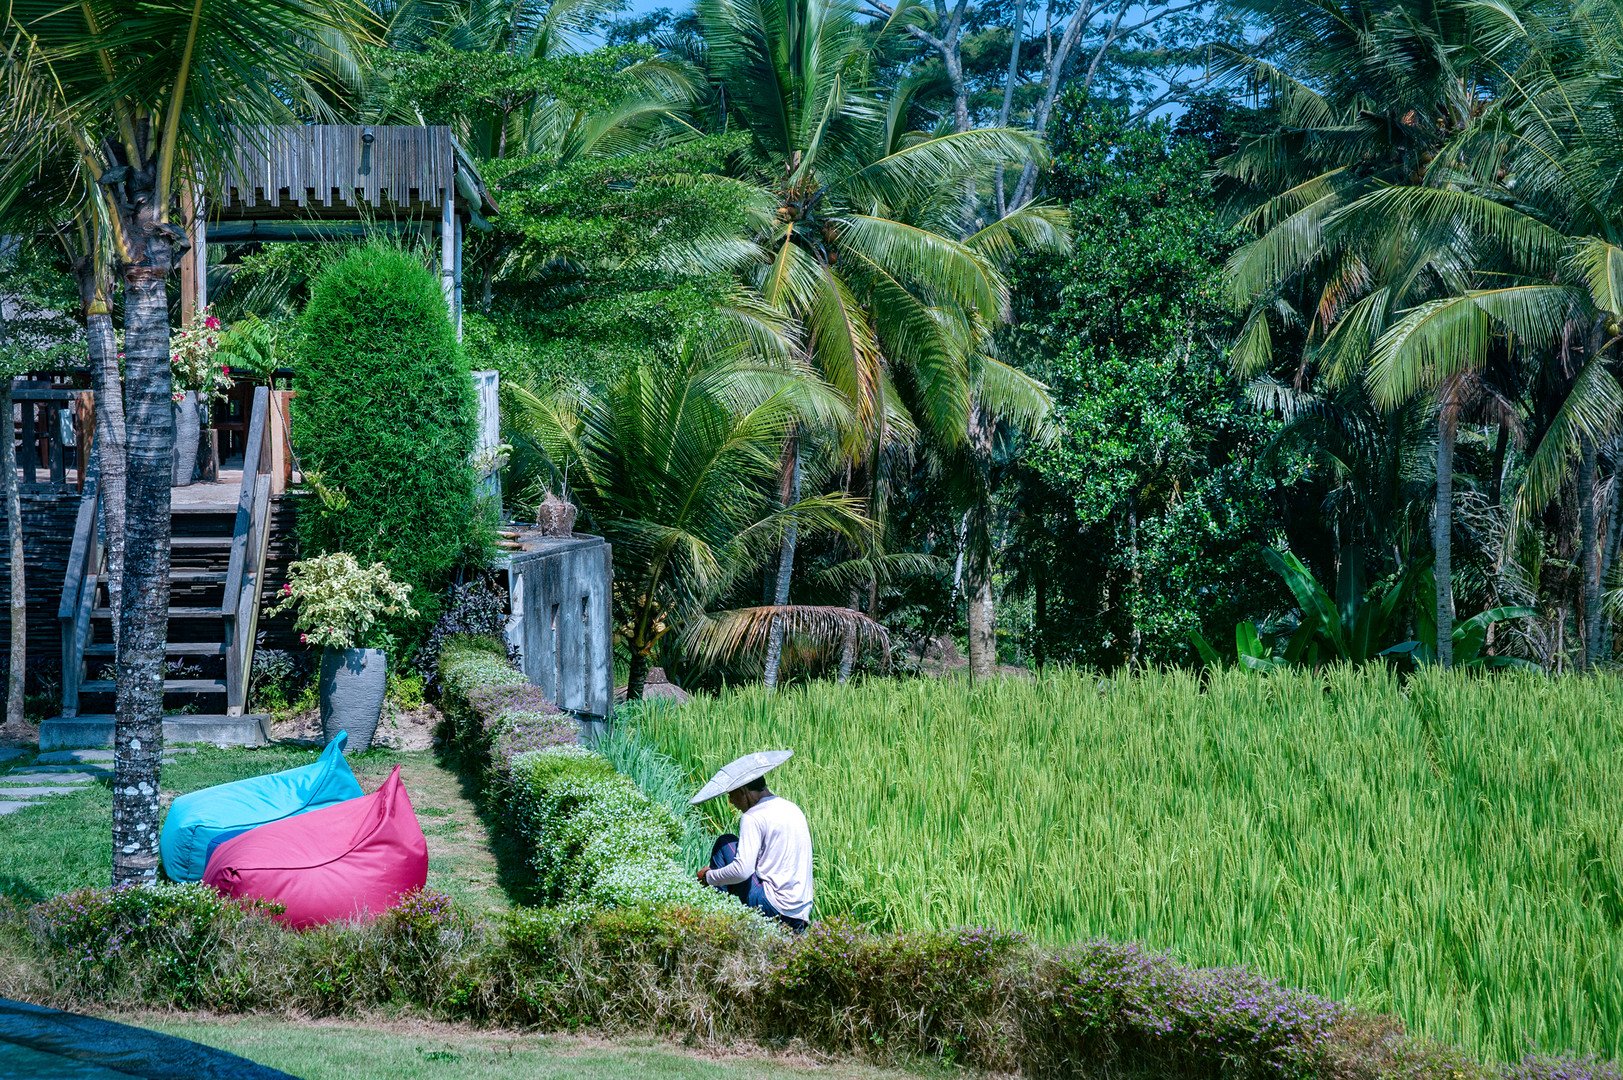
x=61, y=772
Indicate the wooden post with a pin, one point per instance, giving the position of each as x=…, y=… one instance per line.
x=448, y=252
x=194, y=265
x=85, y=414
x=281, y=457
x=456, y=311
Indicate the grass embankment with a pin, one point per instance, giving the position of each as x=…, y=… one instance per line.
x=64, y=843
x=421, y=1051
x=1449, y=852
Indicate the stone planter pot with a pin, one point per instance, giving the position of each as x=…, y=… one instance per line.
x=188, y=432
x=352, y=686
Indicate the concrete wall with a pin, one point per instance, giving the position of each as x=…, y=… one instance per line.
x=559, y=599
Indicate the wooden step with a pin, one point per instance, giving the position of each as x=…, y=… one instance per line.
x=173, y=648
x=174, y=613
x=170, y=686
x=204, y=542
x=197, y=577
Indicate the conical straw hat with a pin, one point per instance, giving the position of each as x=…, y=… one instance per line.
x=747, y=768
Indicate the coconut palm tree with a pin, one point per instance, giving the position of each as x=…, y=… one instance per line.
x=677, y=468
x=1530, y=193
x=1367, y=98
x=856, y=229
x=146, y=101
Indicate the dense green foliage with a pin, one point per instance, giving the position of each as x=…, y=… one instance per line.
x=385, y=417
x=1445, y=851
x=1146, y=515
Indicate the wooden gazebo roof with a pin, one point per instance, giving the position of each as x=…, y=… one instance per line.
x=346, y=172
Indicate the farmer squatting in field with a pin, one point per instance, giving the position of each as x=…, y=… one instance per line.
x=768, y=865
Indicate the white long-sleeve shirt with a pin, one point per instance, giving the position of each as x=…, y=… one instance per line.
x=774, y=844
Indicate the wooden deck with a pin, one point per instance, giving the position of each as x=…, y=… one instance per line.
x=219, y=497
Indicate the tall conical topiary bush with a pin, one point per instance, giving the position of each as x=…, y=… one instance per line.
x=384, y=422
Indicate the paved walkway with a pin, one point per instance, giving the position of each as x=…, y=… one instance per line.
x=61, y=772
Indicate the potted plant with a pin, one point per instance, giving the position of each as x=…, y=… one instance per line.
x=197, y=375
x=339, y=603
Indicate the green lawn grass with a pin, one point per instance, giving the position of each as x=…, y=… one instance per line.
x=65, y=843
x=428, y=1052
x=1450, y=851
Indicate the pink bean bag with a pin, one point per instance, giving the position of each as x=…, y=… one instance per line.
x=355, y=858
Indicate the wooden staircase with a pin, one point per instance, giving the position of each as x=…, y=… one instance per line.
x=217, y=568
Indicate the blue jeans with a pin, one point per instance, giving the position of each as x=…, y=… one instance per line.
x=751, y=893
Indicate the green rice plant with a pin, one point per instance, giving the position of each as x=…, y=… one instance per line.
x=1448, y=850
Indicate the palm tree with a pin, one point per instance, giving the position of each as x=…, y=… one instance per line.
x=854, y=229
x=145, y=102
x=1367, y=97
x=676, y=467
x=1529, y=191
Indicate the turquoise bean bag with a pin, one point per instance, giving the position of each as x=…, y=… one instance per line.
x=198, y=822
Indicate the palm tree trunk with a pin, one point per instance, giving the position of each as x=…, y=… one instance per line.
x=112, y=450
x=786, y=566
x=848, y=647
x=1442, y=527
x=1039, y=639
x=637, y=677
x=1609, y=553
x=982, y=615
x=138, y=722
x=1132, y=604
x=18, y=668
x=1496, y=482
x=982, y=622
x=1587, y=556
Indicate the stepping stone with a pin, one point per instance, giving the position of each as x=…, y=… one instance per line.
x=83, y=770
x=35, y=792
x=13, y=807
x=100, y=758
x=71, y=757
x=60, y=780
x=9, y=753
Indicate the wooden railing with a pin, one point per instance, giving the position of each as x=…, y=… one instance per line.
x=79, y=592
x=239, y=606
x=55, y=426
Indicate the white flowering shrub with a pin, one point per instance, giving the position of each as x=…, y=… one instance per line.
x=339, y=600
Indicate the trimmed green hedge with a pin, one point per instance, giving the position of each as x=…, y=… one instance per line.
x=593, y=835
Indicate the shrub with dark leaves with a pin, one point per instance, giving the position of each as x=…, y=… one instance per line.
x=1105, y=1000
x=943, y=993
x=473, y=608
x=103, y=933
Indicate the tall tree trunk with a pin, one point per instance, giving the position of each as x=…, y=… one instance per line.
x=1015, y=29
x=111, y=442
x=982, y=615
x=1496, y=482
x=1442, y=526
x=790, y=495
x=144, y=615
x=17, y=670
x=982, y=620
x=637, y=677
x=1039, y=640
x=1132, y=603
x=1608, y=557
x=848, y=647
x=1588, y=556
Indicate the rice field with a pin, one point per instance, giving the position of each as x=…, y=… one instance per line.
x=1449, y=851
